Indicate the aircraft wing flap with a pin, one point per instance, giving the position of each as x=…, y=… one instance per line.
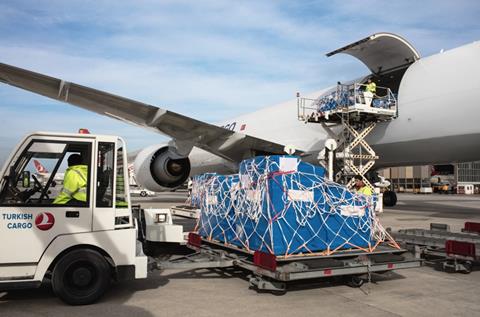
x=228, y=144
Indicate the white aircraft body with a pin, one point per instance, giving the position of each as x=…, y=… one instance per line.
x=442, y=88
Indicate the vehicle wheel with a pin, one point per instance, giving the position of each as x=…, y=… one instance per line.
x=355, y=281
x=81, y=277
x=467, y=267
x=389, y=198
x=143, y=193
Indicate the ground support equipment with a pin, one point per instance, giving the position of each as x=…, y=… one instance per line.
x=455, y=251
x=185, y=211
x=349, y=117
x=273, y=273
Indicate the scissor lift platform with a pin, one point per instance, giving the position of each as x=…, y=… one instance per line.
x=269, y=272
x=355, y=113
x=348, y=103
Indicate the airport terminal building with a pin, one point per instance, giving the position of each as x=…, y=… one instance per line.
x=468, y=173
x=412, y=178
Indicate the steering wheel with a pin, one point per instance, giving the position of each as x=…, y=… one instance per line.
x=15, y=195
x=37, y=187
x=19, y=196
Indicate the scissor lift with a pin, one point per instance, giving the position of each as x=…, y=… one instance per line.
x=349, y=114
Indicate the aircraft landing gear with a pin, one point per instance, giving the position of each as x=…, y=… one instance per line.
x=389, y=198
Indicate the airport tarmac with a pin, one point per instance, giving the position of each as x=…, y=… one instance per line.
x=413, y=292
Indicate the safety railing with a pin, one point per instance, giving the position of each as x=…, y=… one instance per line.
x=306, y=107
x=382, y=98
x=347, y=96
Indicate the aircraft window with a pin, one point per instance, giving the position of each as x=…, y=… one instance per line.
x=36, y=177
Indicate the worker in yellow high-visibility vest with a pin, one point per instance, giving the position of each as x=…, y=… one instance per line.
x=370, y=91
x=74, y=191
x=371, y=86
x=361, y=187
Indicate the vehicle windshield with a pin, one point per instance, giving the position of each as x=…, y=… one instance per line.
x=36, y=176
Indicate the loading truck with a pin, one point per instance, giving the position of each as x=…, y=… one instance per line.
x=81, y=247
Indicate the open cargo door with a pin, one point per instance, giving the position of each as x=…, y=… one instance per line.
x=381, y=52
x=387, y=55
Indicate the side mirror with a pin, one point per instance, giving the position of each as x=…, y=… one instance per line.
x=26, y=179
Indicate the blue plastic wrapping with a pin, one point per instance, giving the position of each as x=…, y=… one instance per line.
x=217, y=218
x=198, y=188
x=282, y=206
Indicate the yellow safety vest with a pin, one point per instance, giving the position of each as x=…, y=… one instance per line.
x=74, y=185
x=372, y=87
x=365, y=190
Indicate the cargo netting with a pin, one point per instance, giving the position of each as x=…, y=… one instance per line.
x=198, y=189
x=283, y=206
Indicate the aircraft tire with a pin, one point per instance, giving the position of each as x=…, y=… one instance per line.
x=143, y=193
x=81, y=277
x=389, y=198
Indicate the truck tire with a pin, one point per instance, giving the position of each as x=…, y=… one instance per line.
x=81, y=277
x=389, y=198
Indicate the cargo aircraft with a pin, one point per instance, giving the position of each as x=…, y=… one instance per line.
x=443, y=88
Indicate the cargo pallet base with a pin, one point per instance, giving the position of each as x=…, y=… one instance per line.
x=273, y=273
x=455, y=251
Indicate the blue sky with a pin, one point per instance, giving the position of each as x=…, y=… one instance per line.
x=211, y=60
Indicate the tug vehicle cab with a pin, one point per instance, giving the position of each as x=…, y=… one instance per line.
x=80, y=245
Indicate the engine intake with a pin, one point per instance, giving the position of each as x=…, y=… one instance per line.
x=159, y=168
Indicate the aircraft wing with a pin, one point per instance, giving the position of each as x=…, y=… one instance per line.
x=184, y=130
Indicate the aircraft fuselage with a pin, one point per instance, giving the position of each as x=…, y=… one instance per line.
x=439, y=107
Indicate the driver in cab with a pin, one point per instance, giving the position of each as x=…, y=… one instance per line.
x=74, y=191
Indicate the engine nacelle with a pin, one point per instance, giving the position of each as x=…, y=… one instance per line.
x=160, y=168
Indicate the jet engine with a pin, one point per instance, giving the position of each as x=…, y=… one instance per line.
x=160, y=168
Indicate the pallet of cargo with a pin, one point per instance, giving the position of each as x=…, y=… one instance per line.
x=273, y=273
